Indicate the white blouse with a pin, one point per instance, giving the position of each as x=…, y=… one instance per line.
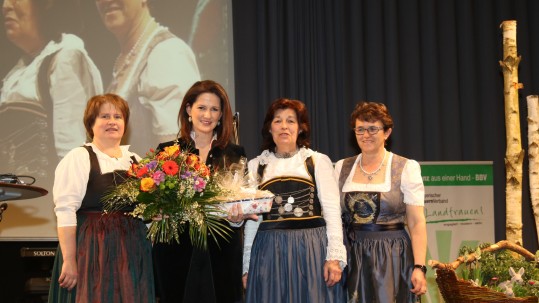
x=411, y=181
x=328, y=194
x=74, y=78
x=71, y=179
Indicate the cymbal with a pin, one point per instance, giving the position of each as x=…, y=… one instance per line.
x=9, y=191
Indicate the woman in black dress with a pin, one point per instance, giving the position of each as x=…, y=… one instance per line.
x=185, y=273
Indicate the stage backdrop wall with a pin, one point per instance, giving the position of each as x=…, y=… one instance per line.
x=204, y=25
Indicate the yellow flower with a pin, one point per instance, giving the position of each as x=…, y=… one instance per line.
x=146, y=184
x=171, y=150
x=192, y=160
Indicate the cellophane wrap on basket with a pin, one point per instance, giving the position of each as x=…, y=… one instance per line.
x=239, y=190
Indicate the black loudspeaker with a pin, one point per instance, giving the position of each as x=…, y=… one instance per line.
x=25, y=271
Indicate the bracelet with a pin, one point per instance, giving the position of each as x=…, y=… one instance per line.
x=422, y=267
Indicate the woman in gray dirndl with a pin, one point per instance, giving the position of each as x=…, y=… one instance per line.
x=294, y=253
x=380, y=192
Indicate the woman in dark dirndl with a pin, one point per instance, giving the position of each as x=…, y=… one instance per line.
x=102, y=257
x=380, y=193
x=294, y=253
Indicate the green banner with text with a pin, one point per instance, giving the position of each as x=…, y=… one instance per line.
x=459, y=200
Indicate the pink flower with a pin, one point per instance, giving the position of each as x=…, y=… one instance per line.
x=200, y=184
x=158, y=177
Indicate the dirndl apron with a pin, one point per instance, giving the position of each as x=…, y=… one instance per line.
x=114, y=261
x=289, y=250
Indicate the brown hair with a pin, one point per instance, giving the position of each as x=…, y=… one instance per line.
x=304, y=128
x=94, y=105
x=371, y=112
x=224, y=129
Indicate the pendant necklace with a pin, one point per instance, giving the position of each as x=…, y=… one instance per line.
x=371, y=175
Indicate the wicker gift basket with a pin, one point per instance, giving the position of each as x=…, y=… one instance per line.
x=456, y=290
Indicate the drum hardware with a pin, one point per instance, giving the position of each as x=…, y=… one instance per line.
x=14, y=179
x=13, y=187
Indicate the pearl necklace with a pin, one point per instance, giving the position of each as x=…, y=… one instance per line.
x=117, y=70
x=375, y=172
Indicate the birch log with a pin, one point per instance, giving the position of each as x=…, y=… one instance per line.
x=514, y=154
x=504, y=244
x=533, y=155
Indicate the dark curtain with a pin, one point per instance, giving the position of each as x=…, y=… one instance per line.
x=435, y=64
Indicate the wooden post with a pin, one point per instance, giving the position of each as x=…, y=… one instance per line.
x=533, y=154
x=514, y=154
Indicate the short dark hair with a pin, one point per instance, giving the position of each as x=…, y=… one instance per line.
x=304, y=128
x=94, y=105
x=225, y=129
x=371, y=112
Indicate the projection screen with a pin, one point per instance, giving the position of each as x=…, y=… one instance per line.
x=43, y=94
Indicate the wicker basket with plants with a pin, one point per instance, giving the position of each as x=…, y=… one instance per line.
x=501, y=272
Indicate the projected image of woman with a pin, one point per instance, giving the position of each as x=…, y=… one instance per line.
x=152, y=72
x=43, y=96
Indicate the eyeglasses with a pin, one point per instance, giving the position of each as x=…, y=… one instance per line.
x=372, y=130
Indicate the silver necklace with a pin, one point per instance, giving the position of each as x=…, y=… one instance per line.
x=371, y=174
x=285, y=155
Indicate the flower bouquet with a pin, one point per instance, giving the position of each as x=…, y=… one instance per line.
x=176, y=190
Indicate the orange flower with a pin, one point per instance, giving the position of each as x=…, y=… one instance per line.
x=172, y=150
x=204, y=171
x=132, y=172
x=146, y=184
x=170, y=167
x=192, y=160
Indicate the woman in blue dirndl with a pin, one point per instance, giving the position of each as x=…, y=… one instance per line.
x=380, y=192
x=294, y=253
